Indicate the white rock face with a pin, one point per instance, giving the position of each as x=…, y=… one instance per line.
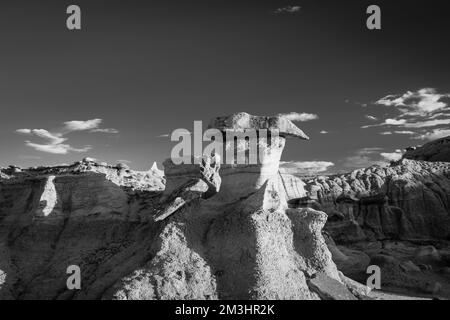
x=239, y=181
x=48, y=199
x=85, y=189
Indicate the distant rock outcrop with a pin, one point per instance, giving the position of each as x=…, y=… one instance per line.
x=408, y=199
x=437, y=150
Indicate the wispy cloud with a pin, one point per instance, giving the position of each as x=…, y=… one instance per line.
x=54, y=141
x=56, y=148
x=287, y=9
x=397, y=132
x=434, y=134
x=417, y=124
x=416, y=110
x=106, y=130
x=430, y=123
x=392, y=156
x=53, y=138
x=324, y=132
x=371, y=117
x=77, y=125
x=295, y=116
x=305, y=167
x=420, y=102
x=364, y=157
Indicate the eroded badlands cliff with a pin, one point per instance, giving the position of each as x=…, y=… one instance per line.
x=222, y=231
x=406, y=200
x=214, y=233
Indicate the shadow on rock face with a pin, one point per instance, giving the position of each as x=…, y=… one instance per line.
x=83, y=219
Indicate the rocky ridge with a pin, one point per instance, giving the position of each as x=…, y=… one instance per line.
x=408, y=199
x=394, y=217
x=212, y=231
x=437, y=150
x=212, y=234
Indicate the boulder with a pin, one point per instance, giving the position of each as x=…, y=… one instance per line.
x=359, y=290
x=329, y=289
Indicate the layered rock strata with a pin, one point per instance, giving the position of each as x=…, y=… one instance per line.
x=408, y=199
x=215, y=232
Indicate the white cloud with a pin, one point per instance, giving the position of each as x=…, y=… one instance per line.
x=397, y=132
x=421, y=102
x=387, y=122
x=77, y=125
x=295, y=116
x=304, y=167
x=106, y=130
x=55, y=148
x=412, y=125
x=435, y=134
x=423, y=108
x=24, y=131
x=416, y=124
x=367, y=157
x=54, y=141
x=392, y=156
x=324, y=132
x=371, y=117
x=364, y=157
x=369, y=150
x=429, y=123
x=52, y=138
x=394, y=122
x=288, y=9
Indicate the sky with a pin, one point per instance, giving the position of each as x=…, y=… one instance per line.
x=137, y=70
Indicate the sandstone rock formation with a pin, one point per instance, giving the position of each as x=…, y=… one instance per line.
x=86, y=214
x=437, y=150
x=238, y=181
x=243, y=242
x=216, y=238
x=393, y=217
x=243, y=121
x=204, y=182
x=408, y=199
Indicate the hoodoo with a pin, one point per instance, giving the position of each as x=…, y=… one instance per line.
x=240, y=241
